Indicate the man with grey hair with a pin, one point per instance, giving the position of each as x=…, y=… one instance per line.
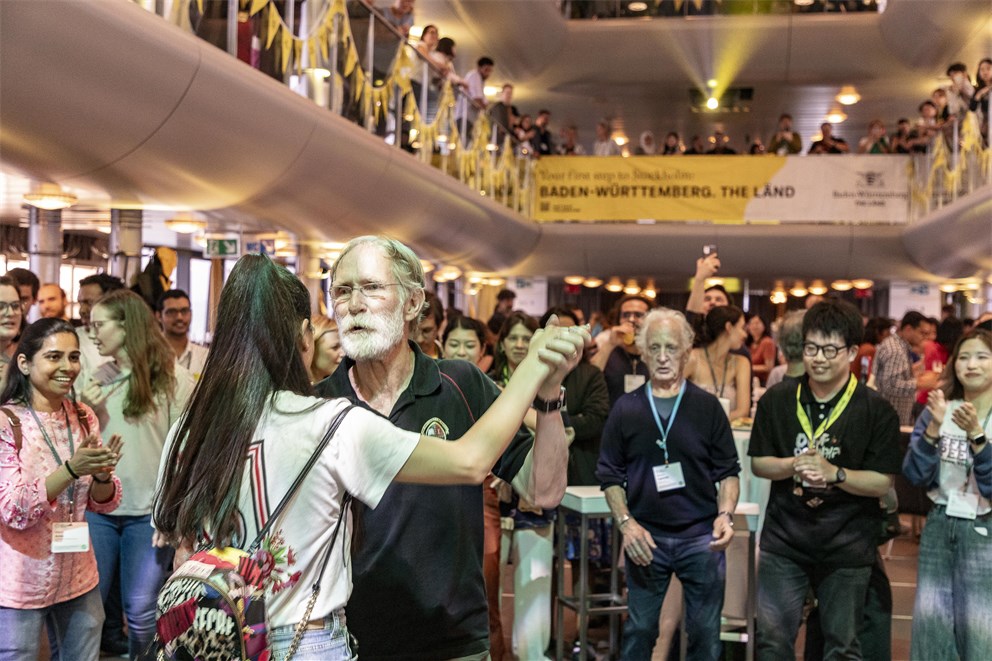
x=790, y=343
x=422, y=546
x=669, y=468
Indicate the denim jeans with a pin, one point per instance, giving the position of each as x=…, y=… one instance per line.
x=73, y=629
x=702, y=573
x=124, y=544
x=332, y=643
x=782, y=587
x=953, y=609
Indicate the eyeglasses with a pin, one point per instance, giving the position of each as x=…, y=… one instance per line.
x=372, y=291
x=173, y=312
x=11, y=307
x=97, y=325
x=633, y=315
x=830, y=351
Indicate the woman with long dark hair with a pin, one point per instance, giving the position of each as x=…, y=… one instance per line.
x=53, y=468
x=761, y=346
x=949, y=455
x=139, y=395
x=715, y=369
x=253, y=423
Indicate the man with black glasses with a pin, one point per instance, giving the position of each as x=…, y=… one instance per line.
x=831, y=447
x=175, y=315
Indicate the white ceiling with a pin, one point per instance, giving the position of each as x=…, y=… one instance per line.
x=133, y=113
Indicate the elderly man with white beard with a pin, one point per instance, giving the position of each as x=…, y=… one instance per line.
x=669, y=467
x=418, y=583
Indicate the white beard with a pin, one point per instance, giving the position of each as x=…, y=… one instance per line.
x=379, y=334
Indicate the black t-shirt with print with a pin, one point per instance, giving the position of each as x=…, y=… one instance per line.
x=418, y=587
x=841, y=531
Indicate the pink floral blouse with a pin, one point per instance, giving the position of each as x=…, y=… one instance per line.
x=31, y=576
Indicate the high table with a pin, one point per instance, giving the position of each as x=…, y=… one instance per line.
x=590, y=503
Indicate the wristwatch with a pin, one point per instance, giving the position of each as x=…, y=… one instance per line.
x=622, y=520
x=841, y=476
x=546, y=406
x=729, y=515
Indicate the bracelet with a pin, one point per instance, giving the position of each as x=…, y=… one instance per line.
x=106, y=481
x=978, y=440
x=69, y=470
x=729, y=515
x=932, y=440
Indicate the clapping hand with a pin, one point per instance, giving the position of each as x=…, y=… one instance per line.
x=92, y=458
x=813, y=468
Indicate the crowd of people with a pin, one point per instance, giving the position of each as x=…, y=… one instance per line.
x=463, y=439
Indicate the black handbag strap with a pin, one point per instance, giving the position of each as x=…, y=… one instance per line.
x=335, y=423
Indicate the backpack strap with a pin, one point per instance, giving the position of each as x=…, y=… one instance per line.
x=335, y=423
x=15, y=426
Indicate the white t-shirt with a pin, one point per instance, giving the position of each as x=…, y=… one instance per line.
x=193, y=359
x=362, y=458
x=143, y=437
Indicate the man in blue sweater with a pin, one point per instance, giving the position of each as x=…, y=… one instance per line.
x=669, y=468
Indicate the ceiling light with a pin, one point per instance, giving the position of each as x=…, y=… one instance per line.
x=778, y=297
x=848, y=96
x=835, y=116
x=711, y=83
x=574, y=279
x=637, y=6
x=592, y=283
x=631, y=287
x=862, y=283
x=49, y=196
x=799, y=289
x=185, y=222
x=802, y=3
x=614, y=285
x=712, y=103
x=427, y=266
x=649, y=289
x=817, y=288
x=948, y=287
x=497, y=282
x=491, y=90
x=842, y=285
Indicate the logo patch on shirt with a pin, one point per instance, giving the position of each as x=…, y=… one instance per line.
x=435, y=428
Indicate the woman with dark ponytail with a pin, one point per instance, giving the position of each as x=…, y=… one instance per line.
x=715, y=369
x=253, y=423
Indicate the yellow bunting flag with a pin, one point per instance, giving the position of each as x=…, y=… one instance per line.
x=298, y=55
x=350, y=59
x=273, y=25
x=257, y=6
x=287, y=48
x=322, y=40
x=312, y=53
x=199, y=6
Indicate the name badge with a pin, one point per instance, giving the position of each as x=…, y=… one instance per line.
x=962, y=505
x=668, y=477
x=632, y=382
x=70, y=537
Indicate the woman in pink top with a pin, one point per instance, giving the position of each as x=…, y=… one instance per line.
x=53, y=468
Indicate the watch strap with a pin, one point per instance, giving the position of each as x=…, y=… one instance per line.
x=549, y=406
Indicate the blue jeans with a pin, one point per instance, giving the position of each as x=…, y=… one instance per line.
x=702, y=573
x=73, y=629
x=332, y=643
x=124, y=544
x=782, y=586
x=952, y=616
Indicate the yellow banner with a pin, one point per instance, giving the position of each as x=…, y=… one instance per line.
x=722, y=188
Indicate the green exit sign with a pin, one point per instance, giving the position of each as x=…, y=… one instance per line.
x=222, y=248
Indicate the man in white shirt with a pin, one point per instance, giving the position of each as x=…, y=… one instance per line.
x=474, y=97
x=91, y=289
x=175, y=315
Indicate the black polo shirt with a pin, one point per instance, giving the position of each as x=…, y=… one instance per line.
x=842, y=529
x=418, y=586
x=620, y=365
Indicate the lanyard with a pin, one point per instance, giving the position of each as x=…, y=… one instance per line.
x=663, y=441
x=726, y=364
x=807, y=426
x=55, y=453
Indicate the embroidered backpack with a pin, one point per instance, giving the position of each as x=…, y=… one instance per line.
x=212, y=608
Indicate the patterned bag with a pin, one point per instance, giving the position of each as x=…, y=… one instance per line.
x=212, y=608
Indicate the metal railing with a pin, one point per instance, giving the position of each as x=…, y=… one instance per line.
x=600, y=9
x=348, y=58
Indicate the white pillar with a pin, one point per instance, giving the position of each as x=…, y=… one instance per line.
x=125, y=243
x=45, y=243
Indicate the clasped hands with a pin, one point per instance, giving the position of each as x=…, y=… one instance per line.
x=559, y=347
x=814, y=469
x=92, y=458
